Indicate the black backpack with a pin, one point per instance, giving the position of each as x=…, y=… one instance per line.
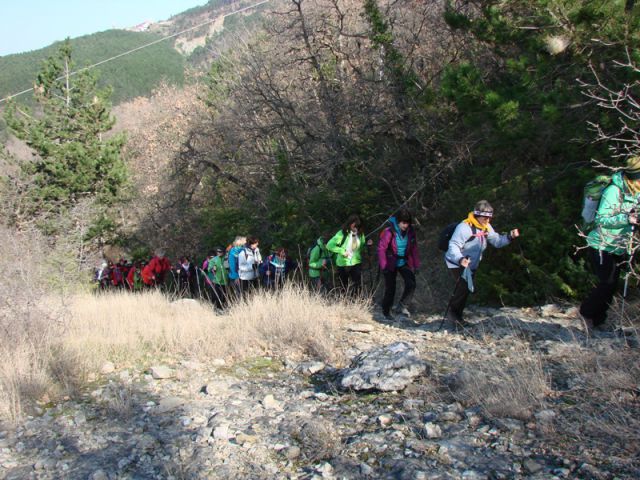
x=447, y=233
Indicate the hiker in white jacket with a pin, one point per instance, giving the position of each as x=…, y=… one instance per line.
x=249, y=260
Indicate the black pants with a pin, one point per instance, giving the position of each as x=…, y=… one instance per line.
x=248, y=286
x=459, y=296
x=409, y=279
x=350, y=278
x=607, y=268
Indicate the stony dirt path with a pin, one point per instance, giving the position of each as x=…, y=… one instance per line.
x=266, y=418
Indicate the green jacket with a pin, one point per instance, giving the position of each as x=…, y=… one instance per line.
x=612, y=232
x=318, y=254
x=217, y=272
x=339, y=247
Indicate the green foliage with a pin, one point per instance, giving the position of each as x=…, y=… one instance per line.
x=136, y=74
x=533, y=159
x=76, y=159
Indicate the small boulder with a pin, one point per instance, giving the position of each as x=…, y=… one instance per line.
x=360, y=327
x=107, y=368
x=270, y=403
x=388, y=368
x=431, y=430
x=160, y=372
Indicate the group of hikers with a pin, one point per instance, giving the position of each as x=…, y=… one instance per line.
x=233, y=272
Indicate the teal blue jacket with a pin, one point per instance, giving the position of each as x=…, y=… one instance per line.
x=612, y=232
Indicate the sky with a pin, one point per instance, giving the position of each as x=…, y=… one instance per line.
x=32, y=24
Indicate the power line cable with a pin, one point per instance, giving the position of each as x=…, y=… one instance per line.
x=143, y=46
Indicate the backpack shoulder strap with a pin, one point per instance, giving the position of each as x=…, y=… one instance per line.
x=474, y=233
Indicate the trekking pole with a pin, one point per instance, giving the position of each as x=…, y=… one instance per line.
x=198, y=282
x=626, y=277
x=446, y=312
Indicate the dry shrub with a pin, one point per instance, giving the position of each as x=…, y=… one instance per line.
x=511, y=387
x=604, y=399
x=318, y=439
x=125, y=327
x=26, y=322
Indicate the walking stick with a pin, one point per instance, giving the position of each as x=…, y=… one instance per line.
x=446, y=312
x=626, y=277
x=198, y=282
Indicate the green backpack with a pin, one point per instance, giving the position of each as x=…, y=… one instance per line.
x=591, y=199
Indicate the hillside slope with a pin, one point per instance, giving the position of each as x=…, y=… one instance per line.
x=130, y=76
x=137, y=74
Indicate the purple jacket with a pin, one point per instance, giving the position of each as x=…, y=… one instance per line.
x=388, y=249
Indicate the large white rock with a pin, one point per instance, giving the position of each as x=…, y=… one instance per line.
x=388, y=368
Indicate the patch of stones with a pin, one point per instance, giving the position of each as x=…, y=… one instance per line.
x=389, y=414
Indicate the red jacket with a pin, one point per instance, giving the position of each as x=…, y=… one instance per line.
x=156, y=270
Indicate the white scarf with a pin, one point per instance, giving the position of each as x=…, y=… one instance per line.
x=350, y=248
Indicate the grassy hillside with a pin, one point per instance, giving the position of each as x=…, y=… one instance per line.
x=130, y=76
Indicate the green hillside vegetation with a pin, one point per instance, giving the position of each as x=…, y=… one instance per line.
x=133, y=75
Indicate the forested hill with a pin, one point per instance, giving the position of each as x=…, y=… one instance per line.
x=132, y=75
x=136, y=74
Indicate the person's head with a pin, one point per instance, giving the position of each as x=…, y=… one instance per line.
x=239, y=241
x=632, y=168
x=159, y=253
x=211, y=254
x=219, y=251
x=281, y=252
x=483, y=211
x=404, y=219
x=353, y=224
x=253, y=242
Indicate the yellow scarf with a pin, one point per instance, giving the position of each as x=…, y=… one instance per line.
x=633, y=186
x=471, y=220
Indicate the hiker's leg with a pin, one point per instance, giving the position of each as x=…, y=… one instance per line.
x=389, y=291
x=409, y=284
x=459, y=296
x=343, y=276
x=355, y=274
x=607, y=268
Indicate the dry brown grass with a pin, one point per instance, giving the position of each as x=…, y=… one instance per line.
x=603, y=401
x=58, y=356
x=512, y=387
x=125, y=328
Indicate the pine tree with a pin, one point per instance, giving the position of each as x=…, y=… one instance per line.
x=74, y=158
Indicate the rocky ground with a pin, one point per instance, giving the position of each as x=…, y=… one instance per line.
x=268, y=418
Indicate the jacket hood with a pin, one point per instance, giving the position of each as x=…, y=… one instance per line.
x=618, y=181
x=394, y=223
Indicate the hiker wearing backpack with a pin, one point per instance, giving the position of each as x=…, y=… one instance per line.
x=275, y=267
x=234, y=277
x=348, y=244
x=219, y=278
x=610, y=243
x=319, y=263
x=155, y=272
x=249, y=260
x=398, y=253
x=468, y=242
